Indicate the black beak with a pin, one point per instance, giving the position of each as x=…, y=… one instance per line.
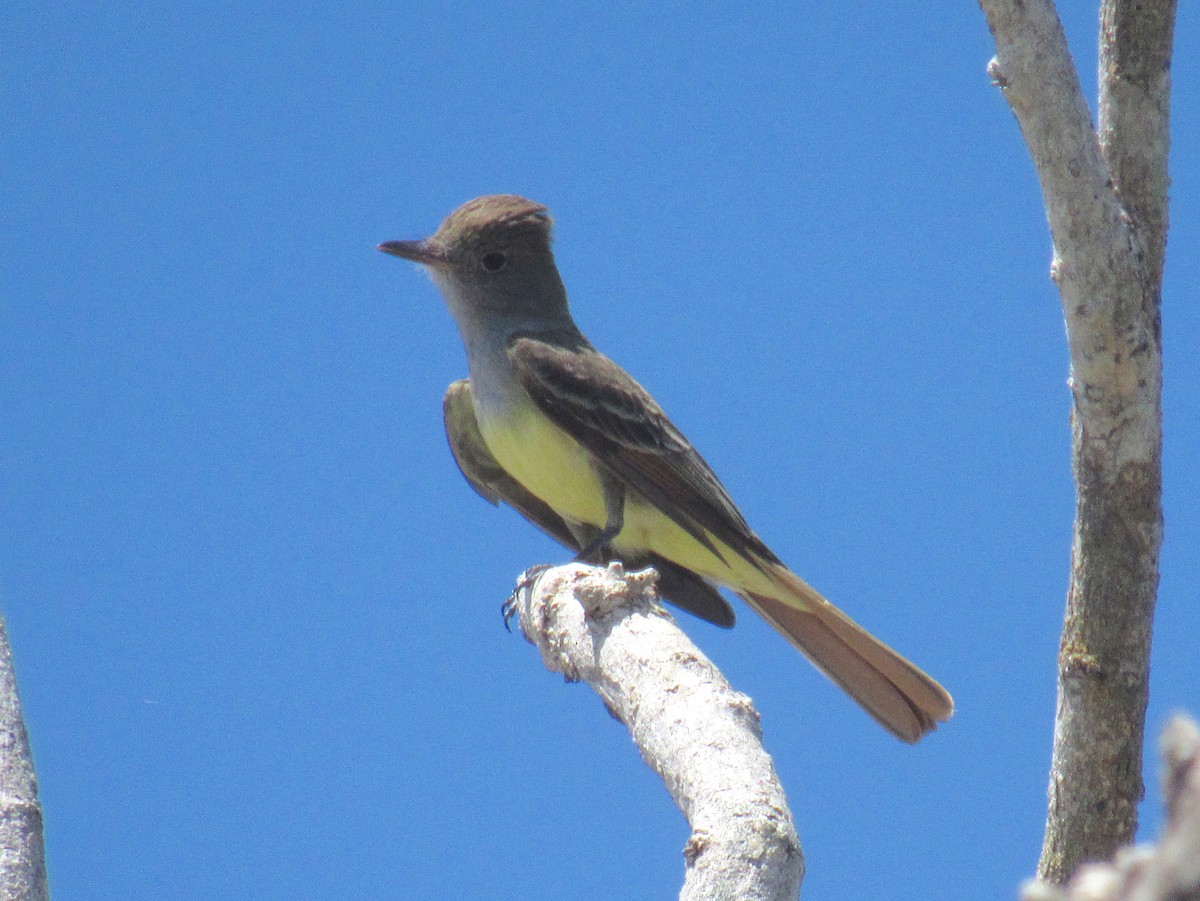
x=423, y=251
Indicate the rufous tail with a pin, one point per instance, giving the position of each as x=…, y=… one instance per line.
x=903, y=699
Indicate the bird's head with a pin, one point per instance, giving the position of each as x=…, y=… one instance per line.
x=492, y=253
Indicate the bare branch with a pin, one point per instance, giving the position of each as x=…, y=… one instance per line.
x=22, y=858
x=1169, y=871
x=1136, y=37
x=605, y=627
x=1107, y=264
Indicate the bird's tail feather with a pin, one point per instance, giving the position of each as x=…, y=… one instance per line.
x=903, y=699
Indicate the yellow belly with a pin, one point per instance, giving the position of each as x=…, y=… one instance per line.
x=547, y=461
x=556, y=468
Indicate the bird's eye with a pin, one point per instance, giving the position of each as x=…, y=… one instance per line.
x=494, y=261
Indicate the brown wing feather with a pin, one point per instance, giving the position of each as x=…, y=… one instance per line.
x=598, y=404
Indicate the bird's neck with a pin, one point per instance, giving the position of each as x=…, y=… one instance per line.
x=486, y=333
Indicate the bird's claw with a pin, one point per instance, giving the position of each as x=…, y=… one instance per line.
x=525, y=582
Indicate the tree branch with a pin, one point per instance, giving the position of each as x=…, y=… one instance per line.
x=22, y=858
x=1169, y=871
x=605, y=627
x=1108, y=240
x=1136, y=37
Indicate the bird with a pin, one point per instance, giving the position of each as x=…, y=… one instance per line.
x=550, y=426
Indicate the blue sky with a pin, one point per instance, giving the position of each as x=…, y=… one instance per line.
x=253, y=606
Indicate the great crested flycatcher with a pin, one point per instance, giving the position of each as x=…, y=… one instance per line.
x=552, y=427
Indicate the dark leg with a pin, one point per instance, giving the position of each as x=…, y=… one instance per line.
x=614, y=514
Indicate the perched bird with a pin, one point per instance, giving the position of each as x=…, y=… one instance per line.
x=552, y=427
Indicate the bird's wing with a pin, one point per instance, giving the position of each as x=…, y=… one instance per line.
x=485, y=474
x=598, y=404
x=492, y=482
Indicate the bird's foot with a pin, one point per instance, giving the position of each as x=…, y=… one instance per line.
x=525, y=582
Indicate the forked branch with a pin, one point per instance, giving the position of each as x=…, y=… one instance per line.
x=1105, y=198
